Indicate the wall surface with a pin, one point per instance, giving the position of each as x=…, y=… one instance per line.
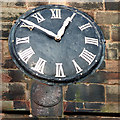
x=96, y=98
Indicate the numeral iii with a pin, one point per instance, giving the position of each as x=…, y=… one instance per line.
x=89, y=40
x=87, y=56
x=26, y=54
x=56, y=13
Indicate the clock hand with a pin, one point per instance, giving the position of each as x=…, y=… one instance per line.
x=65, y=24
x=50, y=33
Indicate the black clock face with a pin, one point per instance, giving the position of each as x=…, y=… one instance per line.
x=56, y=44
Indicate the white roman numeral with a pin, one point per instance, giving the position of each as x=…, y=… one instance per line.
x=83, y=27
x=77, y=67
x=56, y=13
x=26, y=54
x=89, y=40
x=38, y=16
x=39, y=67
x=22, y=40
x=59, y=70
x=88, y=56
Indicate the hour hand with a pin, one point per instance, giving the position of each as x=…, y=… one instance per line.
x=48, y=32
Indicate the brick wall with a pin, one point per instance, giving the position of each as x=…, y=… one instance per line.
x=97, y=94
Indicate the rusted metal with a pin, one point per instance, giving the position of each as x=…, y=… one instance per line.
x=45, y=95
x=46, y=100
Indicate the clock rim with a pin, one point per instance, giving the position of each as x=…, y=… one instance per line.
x=48, y=79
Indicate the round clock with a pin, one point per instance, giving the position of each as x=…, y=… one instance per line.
x=56, y=44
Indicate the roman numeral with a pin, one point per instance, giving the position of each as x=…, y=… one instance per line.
x=39, y=67
x=83, y=27
x=87, y=56
x=59, y=70
x=56, y=13
x=77, y=67
x=38, y=16
x=89, y=40
x=26, y=54
x=22, y=40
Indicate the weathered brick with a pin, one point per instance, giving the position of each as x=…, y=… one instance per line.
x=111, y=108
x=112, y=5
x=13, y=4
x=69, y=107
x=8, y=63
x=7, y=105
x=6, y=77
x=87, y=5
x=112, y=65
x=10, y=14
x=112, y=54
x=5, y=49
x=16, y=75
x=96, y=106
x=22, y=105
x=115, y=33
x=12, y=76
x=36, y=4
x=110, y=118
x=5, y=33
x=106, y=32
x=112, y=93
x=4, y=87
x=114, y=46
x=6, y=25
x=16, y=92
x=102, y=77
x=84, y=93
x=107, y=17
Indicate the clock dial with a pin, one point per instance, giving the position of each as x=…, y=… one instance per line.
x=56, y=44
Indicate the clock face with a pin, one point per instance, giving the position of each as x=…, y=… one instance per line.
x=56, y=44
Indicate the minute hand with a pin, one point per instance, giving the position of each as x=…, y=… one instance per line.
x=50, y=33
x=65, y=24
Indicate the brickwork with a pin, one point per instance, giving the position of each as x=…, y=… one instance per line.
x=97, y=94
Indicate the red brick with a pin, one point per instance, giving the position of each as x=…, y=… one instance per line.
x=7, y=105
x=116, y=33
x=112, y=93
x=16, y=92
x=6, y=77
x=106, y=32
x=5, y=49
x=87, y=5
x=107, y=17
x=8, y=63
x=22, y=105
x=112, y=54
x=112, y=65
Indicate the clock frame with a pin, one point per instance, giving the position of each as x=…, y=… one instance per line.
x=76, y=51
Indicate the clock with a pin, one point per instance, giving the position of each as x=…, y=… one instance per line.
x=56, y=44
